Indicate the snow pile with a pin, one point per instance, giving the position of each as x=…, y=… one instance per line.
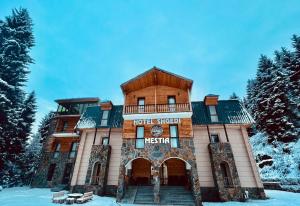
x=278, y=161
x=36, y=197
x=86, y=123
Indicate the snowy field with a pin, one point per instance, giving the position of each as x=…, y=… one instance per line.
x=24, y=196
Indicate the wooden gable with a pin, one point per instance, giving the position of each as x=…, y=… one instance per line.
x=156, y=76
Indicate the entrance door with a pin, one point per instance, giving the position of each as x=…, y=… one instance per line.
x=67, y=173
x=176, y=172
x=141, y=172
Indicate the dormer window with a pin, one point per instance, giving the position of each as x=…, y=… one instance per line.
x=104, y=119
x=213, y=113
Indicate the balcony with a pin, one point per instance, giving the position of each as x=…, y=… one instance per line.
x=157, y=108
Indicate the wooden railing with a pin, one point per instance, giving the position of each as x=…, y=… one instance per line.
x=158, y=108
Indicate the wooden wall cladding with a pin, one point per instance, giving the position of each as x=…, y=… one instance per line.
x=64, y=142
x=162, y=93
x=211, y=100
x=184, y=129
x=71, y=121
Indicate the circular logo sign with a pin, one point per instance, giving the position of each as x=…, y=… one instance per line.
x=156, y=131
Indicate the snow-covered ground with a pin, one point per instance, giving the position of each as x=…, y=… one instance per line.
x=24, y=196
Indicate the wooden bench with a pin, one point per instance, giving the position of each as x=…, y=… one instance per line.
x=59, y=197
x=86, y=197
x=70, y=200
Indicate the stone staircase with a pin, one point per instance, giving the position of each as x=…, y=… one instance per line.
x=176, y=195
x=169, y=195
x=144, y=195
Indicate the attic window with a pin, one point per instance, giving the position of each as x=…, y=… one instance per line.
x=104, y=118
x=213, y=113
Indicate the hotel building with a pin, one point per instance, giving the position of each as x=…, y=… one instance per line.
x=158, y=147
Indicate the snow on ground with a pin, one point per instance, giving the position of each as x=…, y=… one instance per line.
x=24, y=196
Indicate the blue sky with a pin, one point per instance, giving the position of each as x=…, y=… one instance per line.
x=88, y=48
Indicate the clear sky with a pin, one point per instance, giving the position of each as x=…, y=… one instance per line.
x=88, y=48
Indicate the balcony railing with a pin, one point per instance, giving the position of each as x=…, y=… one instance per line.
x=157, y=108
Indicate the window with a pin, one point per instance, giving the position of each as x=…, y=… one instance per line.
x=51, y=172
x=96, y=173
x=73, y=151
x=140, y=139
x=105, y=141
x=141, y=105
x=226, y=174
x=64, y=126
x=104, y=118
x=174, y=136
x=57, y=150
x=214, y=138
x=213, y=113
x=67, y=173
x=172, y=103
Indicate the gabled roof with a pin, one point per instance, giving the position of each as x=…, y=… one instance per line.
x=156, y=76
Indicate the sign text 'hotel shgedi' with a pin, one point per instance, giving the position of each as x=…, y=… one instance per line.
x=156, y=121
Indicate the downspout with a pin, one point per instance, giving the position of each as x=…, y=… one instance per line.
x=208, y=132
x=95, y=135
x=226, y=133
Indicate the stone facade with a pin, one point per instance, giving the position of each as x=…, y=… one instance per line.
x=157, y=154
x=221, y=153
x=100, y=154
x=40, y=178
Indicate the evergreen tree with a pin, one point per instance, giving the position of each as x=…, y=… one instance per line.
x=45, y=126
x=16, y=108
x=234, y=96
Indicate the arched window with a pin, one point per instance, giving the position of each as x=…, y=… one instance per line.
x=226, y=174
x=96, y=173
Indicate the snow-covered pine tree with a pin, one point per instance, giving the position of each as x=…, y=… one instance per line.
x=45, y=126
x=234, y=96
x=16, y=40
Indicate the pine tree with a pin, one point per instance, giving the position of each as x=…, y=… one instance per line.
x=16, y=108
x=234, y=96
x=45, y=126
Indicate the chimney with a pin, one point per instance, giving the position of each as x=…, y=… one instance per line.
x=106, y=105
x=211, y=99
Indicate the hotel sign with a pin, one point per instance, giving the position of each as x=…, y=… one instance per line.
x=156, y=121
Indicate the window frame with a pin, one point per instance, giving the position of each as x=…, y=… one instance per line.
x=73, y=151
x=104, y=138
x=57, y=150
x=214, y=134
x=177, y=136
x=139, y=138
x=213, y=115
x=104, y=121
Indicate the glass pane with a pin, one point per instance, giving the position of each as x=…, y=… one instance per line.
x=214, y=118
x=139, y=143
x=105, y=141
x=104, y=122
x=212, y=110
x=173, y=131
x=174, y=142
x=140, y=132
x=105, y=114
x=57, y=148
x=141, y=101
x=171, y=100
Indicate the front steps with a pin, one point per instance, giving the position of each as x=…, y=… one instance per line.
x=144, y=195
x=176, y=195
x=169, y=195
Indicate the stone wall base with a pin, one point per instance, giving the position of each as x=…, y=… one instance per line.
x=255, y=192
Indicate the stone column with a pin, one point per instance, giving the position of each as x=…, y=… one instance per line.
x=156, y=184
x=121, y=184
x=195, y=185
